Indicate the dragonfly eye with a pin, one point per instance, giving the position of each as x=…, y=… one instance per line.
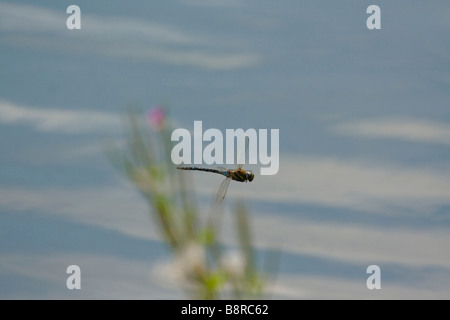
x=250, y=176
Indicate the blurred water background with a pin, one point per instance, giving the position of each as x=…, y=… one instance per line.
x=364, y=122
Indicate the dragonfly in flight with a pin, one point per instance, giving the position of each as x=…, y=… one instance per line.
x=237, y=174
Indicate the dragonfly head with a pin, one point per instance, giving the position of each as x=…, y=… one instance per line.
x=249, y=176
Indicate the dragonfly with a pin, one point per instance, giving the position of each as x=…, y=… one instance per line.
x=237, y=174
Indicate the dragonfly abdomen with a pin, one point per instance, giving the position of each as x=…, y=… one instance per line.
x=224, y=173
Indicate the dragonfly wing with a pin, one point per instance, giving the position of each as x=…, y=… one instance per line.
x=223, y=190
x=241, y=159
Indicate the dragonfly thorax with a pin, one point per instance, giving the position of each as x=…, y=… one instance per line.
x=241, y=175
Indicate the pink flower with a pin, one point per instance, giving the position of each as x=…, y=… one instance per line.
x=156, y=117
